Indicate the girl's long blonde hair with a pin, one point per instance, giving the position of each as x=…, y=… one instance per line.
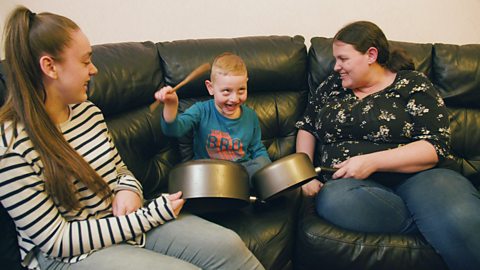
x=28, y=36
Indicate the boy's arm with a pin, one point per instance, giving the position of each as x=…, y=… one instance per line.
x=184, y=122
x=170, y=112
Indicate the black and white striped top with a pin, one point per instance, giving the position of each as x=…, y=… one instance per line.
x=71, y=235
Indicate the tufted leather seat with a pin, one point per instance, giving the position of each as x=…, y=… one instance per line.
x=129, y=73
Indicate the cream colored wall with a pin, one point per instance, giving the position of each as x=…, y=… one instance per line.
x=107, y=21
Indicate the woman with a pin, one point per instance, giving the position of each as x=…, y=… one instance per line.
x=74, y=202
x=385, y=128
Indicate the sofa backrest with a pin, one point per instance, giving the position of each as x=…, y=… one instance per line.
x=276, y=87
x=456, y=73
x=129, y=74
x=453, y=69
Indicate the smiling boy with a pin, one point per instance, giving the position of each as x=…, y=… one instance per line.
x=224, y=128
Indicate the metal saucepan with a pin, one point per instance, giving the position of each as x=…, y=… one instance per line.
x=218, y=185
x=210, y=184
x=284, y=174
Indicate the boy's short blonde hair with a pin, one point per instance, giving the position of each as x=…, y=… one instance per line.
x=228, y=64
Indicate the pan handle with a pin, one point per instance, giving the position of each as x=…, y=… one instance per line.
x=324, y=170
x=254, y=199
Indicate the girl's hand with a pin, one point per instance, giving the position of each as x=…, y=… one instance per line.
x=177, y=203
x=125, y=202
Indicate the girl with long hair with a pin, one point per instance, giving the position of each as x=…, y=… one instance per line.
x=72, y=199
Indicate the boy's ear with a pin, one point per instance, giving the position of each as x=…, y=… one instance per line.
x=47, y=64
x=209, y=86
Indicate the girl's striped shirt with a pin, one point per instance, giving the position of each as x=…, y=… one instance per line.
x=42, y=223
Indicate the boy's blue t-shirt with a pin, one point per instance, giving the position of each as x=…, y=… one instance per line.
x=218, y=137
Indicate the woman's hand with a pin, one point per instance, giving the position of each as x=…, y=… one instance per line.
x=177, y=203
x=410, y=158
x=311, y=188
x=358, y=167
x=125, y=202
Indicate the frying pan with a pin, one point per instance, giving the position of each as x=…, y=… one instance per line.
x=218, y=185
x=284, y=174
x=210, y=184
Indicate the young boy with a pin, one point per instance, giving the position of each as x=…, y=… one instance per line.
x=224, y=128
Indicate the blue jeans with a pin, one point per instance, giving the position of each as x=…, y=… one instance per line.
x=440, y=204
x=189, y=242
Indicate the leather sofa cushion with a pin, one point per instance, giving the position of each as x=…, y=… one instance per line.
x=321, y=245
x=129, y=74
x=274, y=63
x=464, y=125
x=277, y=90
x=276, y=87
x=457, y=74
x=9, y=250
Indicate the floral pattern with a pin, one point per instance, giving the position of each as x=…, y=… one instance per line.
x=410, y=109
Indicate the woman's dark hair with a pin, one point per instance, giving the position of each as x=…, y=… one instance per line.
x=363, y=35
x=28, y=36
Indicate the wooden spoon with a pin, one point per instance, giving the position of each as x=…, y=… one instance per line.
x=190, y=77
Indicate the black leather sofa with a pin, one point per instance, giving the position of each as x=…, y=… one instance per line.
x=283, y=233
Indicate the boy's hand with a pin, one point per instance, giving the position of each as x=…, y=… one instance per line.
x=170, y=99
x=166, y=95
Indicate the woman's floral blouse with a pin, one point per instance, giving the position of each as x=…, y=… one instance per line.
x=410, y=109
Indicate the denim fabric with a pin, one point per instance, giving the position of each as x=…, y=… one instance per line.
x=440, y=204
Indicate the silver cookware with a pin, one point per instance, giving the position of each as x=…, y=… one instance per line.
x=284, y=174
x=217, y=185
x=210, y=185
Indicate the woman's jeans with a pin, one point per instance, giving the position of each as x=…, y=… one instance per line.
x=441, y=204
x=189, y=242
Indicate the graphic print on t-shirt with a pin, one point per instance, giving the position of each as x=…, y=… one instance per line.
x=220, y=145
